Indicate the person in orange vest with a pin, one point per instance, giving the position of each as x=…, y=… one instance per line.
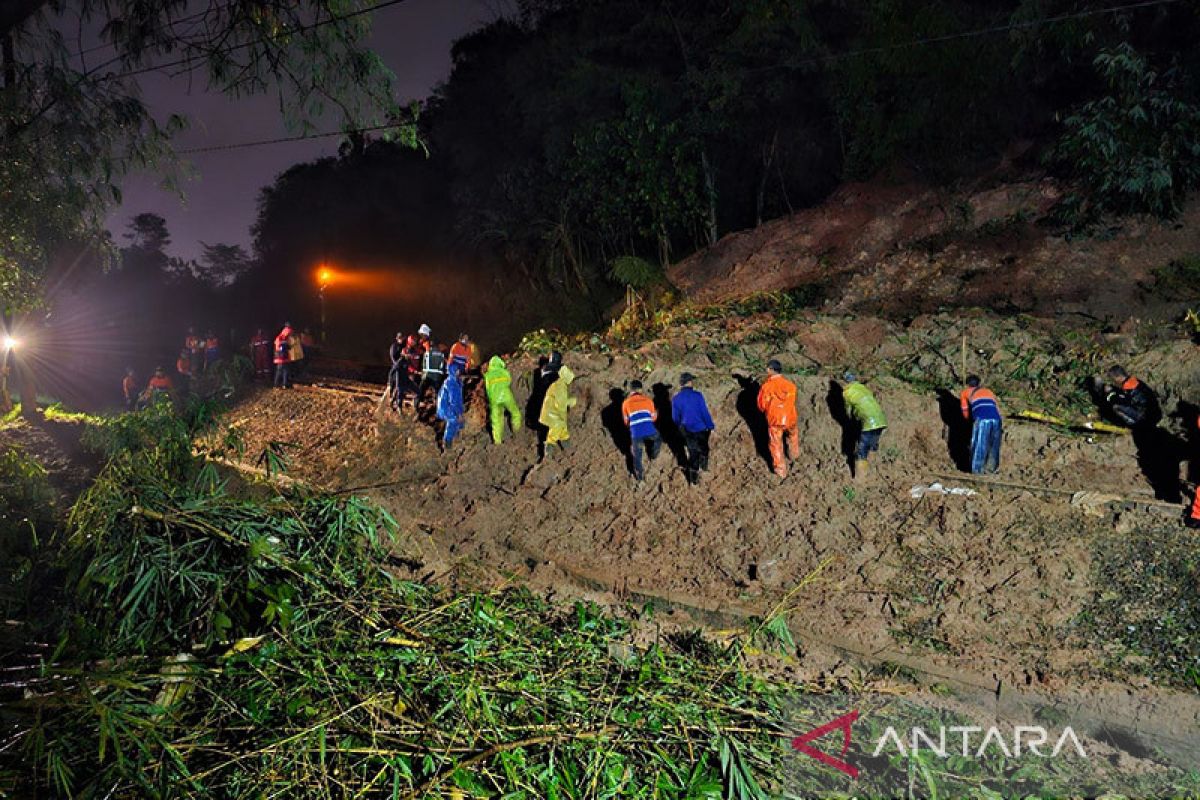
x=260, y=352
x=777, y=402
x=1132, y=402
x=159, y=386
x=982, y=408
x=283, y=357
x=183, y=364
x=640, y=416
x=195, y=348
x=129, y=389
x=460, y=353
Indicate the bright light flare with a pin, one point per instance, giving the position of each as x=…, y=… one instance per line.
x=324, y=276
x=10, y=343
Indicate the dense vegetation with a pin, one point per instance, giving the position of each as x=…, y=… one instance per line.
x=575, y=133
x=573, y=139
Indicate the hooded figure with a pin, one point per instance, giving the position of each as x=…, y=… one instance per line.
x=283, y=358
x=450, y=405
x=498, y=382
x=554, y=408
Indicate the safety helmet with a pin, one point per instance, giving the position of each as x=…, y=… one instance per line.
x=424, y=330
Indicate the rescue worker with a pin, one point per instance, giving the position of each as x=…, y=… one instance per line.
x=777, y=402
x=450, y=406
x=425, y=337
x=864, y=409
x=183, y=363
x=460, y=353
x=980, y=406
x=212, y=350
x=396, y=356
x=433, y=370
x=690, y=412
x=554, y=410
x=411, y=356
x=640, y=415
x=498, y=383
x=129, y=389
x=296, y=355
x=260, y=354
x=1132, y=403
x=282, y=357
x=158, y=386
x=195, y=348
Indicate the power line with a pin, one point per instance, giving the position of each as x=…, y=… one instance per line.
x=816, y=60
x=285, y=139
x=1013, y=26
x=188, y=60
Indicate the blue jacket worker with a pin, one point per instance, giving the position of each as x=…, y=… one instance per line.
x=690, y=412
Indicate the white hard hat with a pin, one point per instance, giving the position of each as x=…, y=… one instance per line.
x=424, y=330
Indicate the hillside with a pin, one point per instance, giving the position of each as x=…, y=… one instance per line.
x=1020, y=585
x=901, y=248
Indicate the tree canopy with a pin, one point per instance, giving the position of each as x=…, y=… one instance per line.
x=72, y=124
x=573, y=133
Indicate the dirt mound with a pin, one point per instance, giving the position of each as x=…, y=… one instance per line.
x=990, y=582
x=898, y=249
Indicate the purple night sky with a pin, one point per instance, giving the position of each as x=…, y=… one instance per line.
x=414, y=40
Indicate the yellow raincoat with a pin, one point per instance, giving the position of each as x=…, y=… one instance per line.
x=554, y=407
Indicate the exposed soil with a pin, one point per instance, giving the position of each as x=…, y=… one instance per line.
x=902, y=248
x=980, y=590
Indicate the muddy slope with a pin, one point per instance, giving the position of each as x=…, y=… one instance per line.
x=987, y=584
x=901, y=248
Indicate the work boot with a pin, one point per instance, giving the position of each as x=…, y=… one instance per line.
x=860, y=468
x=1191, y=522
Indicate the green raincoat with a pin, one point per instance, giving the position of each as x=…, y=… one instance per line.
x=862, y=406
x=554, y=407
x=500, y=398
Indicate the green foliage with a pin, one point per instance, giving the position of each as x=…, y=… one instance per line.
x=635, y=273
x=638, y=173
x=1138, y=147
x=1148, y=602
x=934, y=105
x=75, y=127
x=1179, y=279
x=26, y=502
x=339, y=676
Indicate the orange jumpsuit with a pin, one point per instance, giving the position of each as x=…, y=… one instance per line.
x=777, y=401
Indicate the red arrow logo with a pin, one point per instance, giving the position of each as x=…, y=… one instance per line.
x=842, y=723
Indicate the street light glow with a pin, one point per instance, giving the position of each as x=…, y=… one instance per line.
x=325, y=275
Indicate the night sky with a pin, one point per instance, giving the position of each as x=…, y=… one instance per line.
x=413, y=38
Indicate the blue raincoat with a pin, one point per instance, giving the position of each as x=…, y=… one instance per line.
x=450, y=404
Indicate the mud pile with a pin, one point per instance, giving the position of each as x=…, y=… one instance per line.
x=886, y=568
x=901, y=248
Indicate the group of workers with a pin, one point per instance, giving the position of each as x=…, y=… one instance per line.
x=1125, y=399
x=550, y=400
x=419, y=365
x=198, y=354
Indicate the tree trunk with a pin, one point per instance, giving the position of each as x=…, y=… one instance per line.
x=710, y=190
x=768, y=156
